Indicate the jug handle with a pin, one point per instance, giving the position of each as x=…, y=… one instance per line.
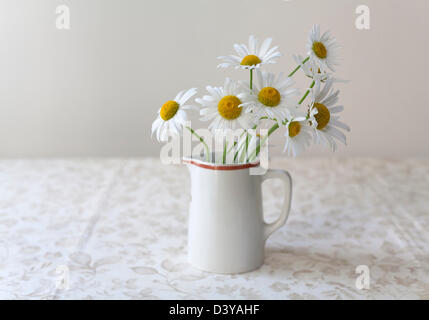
x=285, y=177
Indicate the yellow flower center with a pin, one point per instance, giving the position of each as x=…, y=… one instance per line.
x=250, y=60
x=269, y=97
x=228, y=107
x=320, y=49
x=294, y=128
x=323, y=115
x=169, y=110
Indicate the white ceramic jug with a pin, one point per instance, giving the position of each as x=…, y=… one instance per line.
x=227, y=231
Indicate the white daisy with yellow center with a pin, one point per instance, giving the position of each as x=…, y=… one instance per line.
x=324, y=109
x=322, y=49
x=172, y=115
x=225, y=107
x=271, y=96
x=251, y=56
x=297, y=134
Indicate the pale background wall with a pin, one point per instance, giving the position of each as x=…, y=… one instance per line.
x=94, y=90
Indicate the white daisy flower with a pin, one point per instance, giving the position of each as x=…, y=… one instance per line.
x=323, y=109
x=224, y=106
x=172, y=115
x=252, y=56
x=310, y=68
x=313, y=71
x=322, y=49
x=297, y=134
x=271, y=96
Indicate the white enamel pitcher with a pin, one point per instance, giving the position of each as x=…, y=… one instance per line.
x=227, y=231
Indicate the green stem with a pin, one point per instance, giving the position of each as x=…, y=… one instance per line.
x=262, y=142
x=254, y=127
x=240, y=147
x=297, y=68
x=225, y=144
x=232, y=147
x=236, y=154
x=251, y=79
x=235, y=143
x=202, y=141
x=306, y=93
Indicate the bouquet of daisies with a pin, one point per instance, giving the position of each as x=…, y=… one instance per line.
x=244, y=106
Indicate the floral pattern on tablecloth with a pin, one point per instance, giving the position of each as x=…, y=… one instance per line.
x=119, y=227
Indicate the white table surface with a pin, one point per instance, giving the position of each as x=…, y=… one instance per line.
x=119, y=227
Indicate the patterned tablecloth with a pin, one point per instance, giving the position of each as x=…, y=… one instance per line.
x=116, y=229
